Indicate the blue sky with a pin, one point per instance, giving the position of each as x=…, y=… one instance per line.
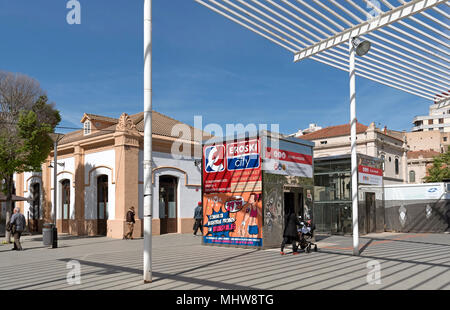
x=203, y=64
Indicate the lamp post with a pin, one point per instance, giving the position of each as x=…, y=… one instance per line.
x=148, y=189
x=56, y=137
x=359, y=47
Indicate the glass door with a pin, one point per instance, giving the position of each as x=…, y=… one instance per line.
x=65, y=186
x=168, y=204
x=102, y=204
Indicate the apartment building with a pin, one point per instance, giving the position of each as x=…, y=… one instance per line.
x=438, y=119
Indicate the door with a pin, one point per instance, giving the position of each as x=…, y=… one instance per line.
x=370, y=213
x=293, y=198
x=289, y=202
x=168, y=204
x=65, y=203
x=102, y=204
x=36, y=206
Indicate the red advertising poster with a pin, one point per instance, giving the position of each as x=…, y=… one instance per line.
x=232, y=206
x=233, y=218
x=230, y=166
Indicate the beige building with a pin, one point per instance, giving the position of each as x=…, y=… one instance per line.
x=371, y=141
x=423, y=147
x=100, y=176
x=418, y=163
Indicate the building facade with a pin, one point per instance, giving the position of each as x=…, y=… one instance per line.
x=100, y=176
x=418, y=164
x=438, y=119
x=371, y=141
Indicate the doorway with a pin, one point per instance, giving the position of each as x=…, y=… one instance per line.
x=35, y=206
x=370, y=213
x=293, y=198
x=102, y=204
x=168, y=204
x=65, y=202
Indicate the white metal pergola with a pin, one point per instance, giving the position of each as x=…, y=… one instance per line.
x=410, y=48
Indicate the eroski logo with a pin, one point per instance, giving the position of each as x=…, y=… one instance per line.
x=215, y=158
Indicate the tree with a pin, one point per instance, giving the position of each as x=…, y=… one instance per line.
x=440, y=170
x=26, y=119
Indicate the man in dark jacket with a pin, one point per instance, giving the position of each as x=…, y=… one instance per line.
x=290, y=234
x=130, y=224
x=18, y=223
x=198, y=216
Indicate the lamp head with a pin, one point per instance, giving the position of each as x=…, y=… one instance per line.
x=362, y=47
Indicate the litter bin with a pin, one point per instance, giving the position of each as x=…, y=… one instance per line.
x=47, y=234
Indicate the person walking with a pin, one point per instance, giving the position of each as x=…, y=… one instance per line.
x=198, y=216
x=130, y=224
x=18, y=224
x=290, y=234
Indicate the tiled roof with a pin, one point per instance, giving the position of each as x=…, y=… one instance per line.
x=423, y=154
x=334, y=131
x=161, y=125
x=102, y=118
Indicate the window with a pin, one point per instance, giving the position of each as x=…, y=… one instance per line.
x=87, y=127
x=396, y=166
x=441, y=121
x=383, y=157
x=445, y=139
x=412, y=176
x=323, y=142
x=430, y=122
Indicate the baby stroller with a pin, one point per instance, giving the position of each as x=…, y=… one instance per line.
x=306, y=234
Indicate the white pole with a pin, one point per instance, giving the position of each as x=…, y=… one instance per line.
x=147, y=141
x=354, y=165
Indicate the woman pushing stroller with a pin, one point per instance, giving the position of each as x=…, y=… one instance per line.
x=290, y=234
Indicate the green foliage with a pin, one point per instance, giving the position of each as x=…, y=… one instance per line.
x=25, y=144
x=440, y=170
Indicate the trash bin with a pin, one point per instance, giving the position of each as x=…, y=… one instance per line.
x=47, y=234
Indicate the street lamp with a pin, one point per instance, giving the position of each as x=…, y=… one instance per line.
x=56, y=137
x=359, y=47
x=362, y=47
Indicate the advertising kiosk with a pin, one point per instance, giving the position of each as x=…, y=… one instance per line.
x=249, y=183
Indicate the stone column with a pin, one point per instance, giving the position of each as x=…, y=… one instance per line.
x=405, y=161
x=126, y=172
x=77, y=226
x=20, y=192
x=47, y=191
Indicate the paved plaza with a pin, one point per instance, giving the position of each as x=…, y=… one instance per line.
x=181, y=262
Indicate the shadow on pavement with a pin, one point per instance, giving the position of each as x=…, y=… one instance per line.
x=113, y=269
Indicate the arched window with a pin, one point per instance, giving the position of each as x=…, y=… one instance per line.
x=412, y=176
x=397, y=169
